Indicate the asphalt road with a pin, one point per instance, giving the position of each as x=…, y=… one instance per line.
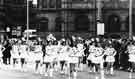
x=17, y=74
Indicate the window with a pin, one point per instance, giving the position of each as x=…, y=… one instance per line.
x=1, y=2
x=44, y=3
x=52, y=3
x=58, y=3
x=18, y=1
x=58, y=25
x=123, y=0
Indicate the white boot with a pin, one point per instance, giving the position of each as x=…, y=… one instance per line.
x=75, y=75
x=102, y=74
x=130, y=75
x=46, y=74
x=51, y=72
x=111, y=71
x=94, y=69
x=81, y=66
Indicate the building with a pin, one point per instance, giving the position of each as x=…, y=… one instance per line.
x=70, y=16
x=2, y=15
x=14, y=17
x=81, y=15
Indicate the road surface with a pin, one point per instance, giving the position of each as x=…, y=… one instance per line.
x=17, y=74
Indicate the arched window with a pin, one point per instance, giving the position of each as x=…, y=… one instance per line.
x=113, y=24
x=58, y=25
x=81, y=23
x=43, y=24
x=58, y=3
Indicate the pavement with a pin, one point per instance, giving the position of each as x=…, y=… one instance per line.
x=9, y=73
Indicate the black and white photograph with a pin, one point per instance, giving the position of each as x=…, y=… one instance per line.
x=67, y=39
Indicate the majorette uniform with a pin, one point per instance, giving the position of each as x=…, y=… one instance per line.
x=62, y=53
x=50, y=37
x=48, y=57
x=80, y=50
x=110, y=53
x=131, y=51
x=73, y=58
x=23, y=51
x=92, y=50
x=55, y=49
x=15, y=51
x=98, y=55
x=38, y=53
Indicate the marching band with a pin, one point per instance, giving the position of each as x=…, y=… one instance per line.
x=60, y=55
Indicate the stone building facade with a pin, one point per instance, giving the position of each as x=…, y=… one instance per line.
x=81, y=15
x=76, y=16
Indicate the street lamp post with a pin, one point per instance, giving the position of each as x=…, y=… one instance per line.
x=99, y=7
x=130, y=19
x=27, y=20
x=34, y=3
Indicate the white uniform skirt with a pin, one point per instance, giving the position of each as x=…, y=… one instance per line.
x=131, y=58
x=48, y=59
x=97, y=60
x=79, y=54
x=24, y=54
x=31, y=57
x=90, y=57
x=73, y=59
x=62, y=57
x=38, y=57
x=110, y=59
x=15, y=54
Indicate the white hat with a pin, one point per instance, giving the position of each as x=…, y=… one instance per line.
x=97, y=39
x=63, y=39
x=92, y=39
x=80, y=38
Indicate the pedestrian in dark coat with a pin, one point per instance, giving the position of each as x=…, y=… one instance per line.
x=6, y=52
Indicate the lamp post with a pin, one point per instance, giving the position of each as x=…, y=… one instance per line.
x=34, y=2
x=130, y=19
x=99, y=7
x=27, y=20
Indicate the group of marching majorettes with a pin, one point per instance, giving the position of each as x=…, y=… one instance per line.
x=60, y=56
x=55, y=56
x=64, y=57
x=99, y=55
